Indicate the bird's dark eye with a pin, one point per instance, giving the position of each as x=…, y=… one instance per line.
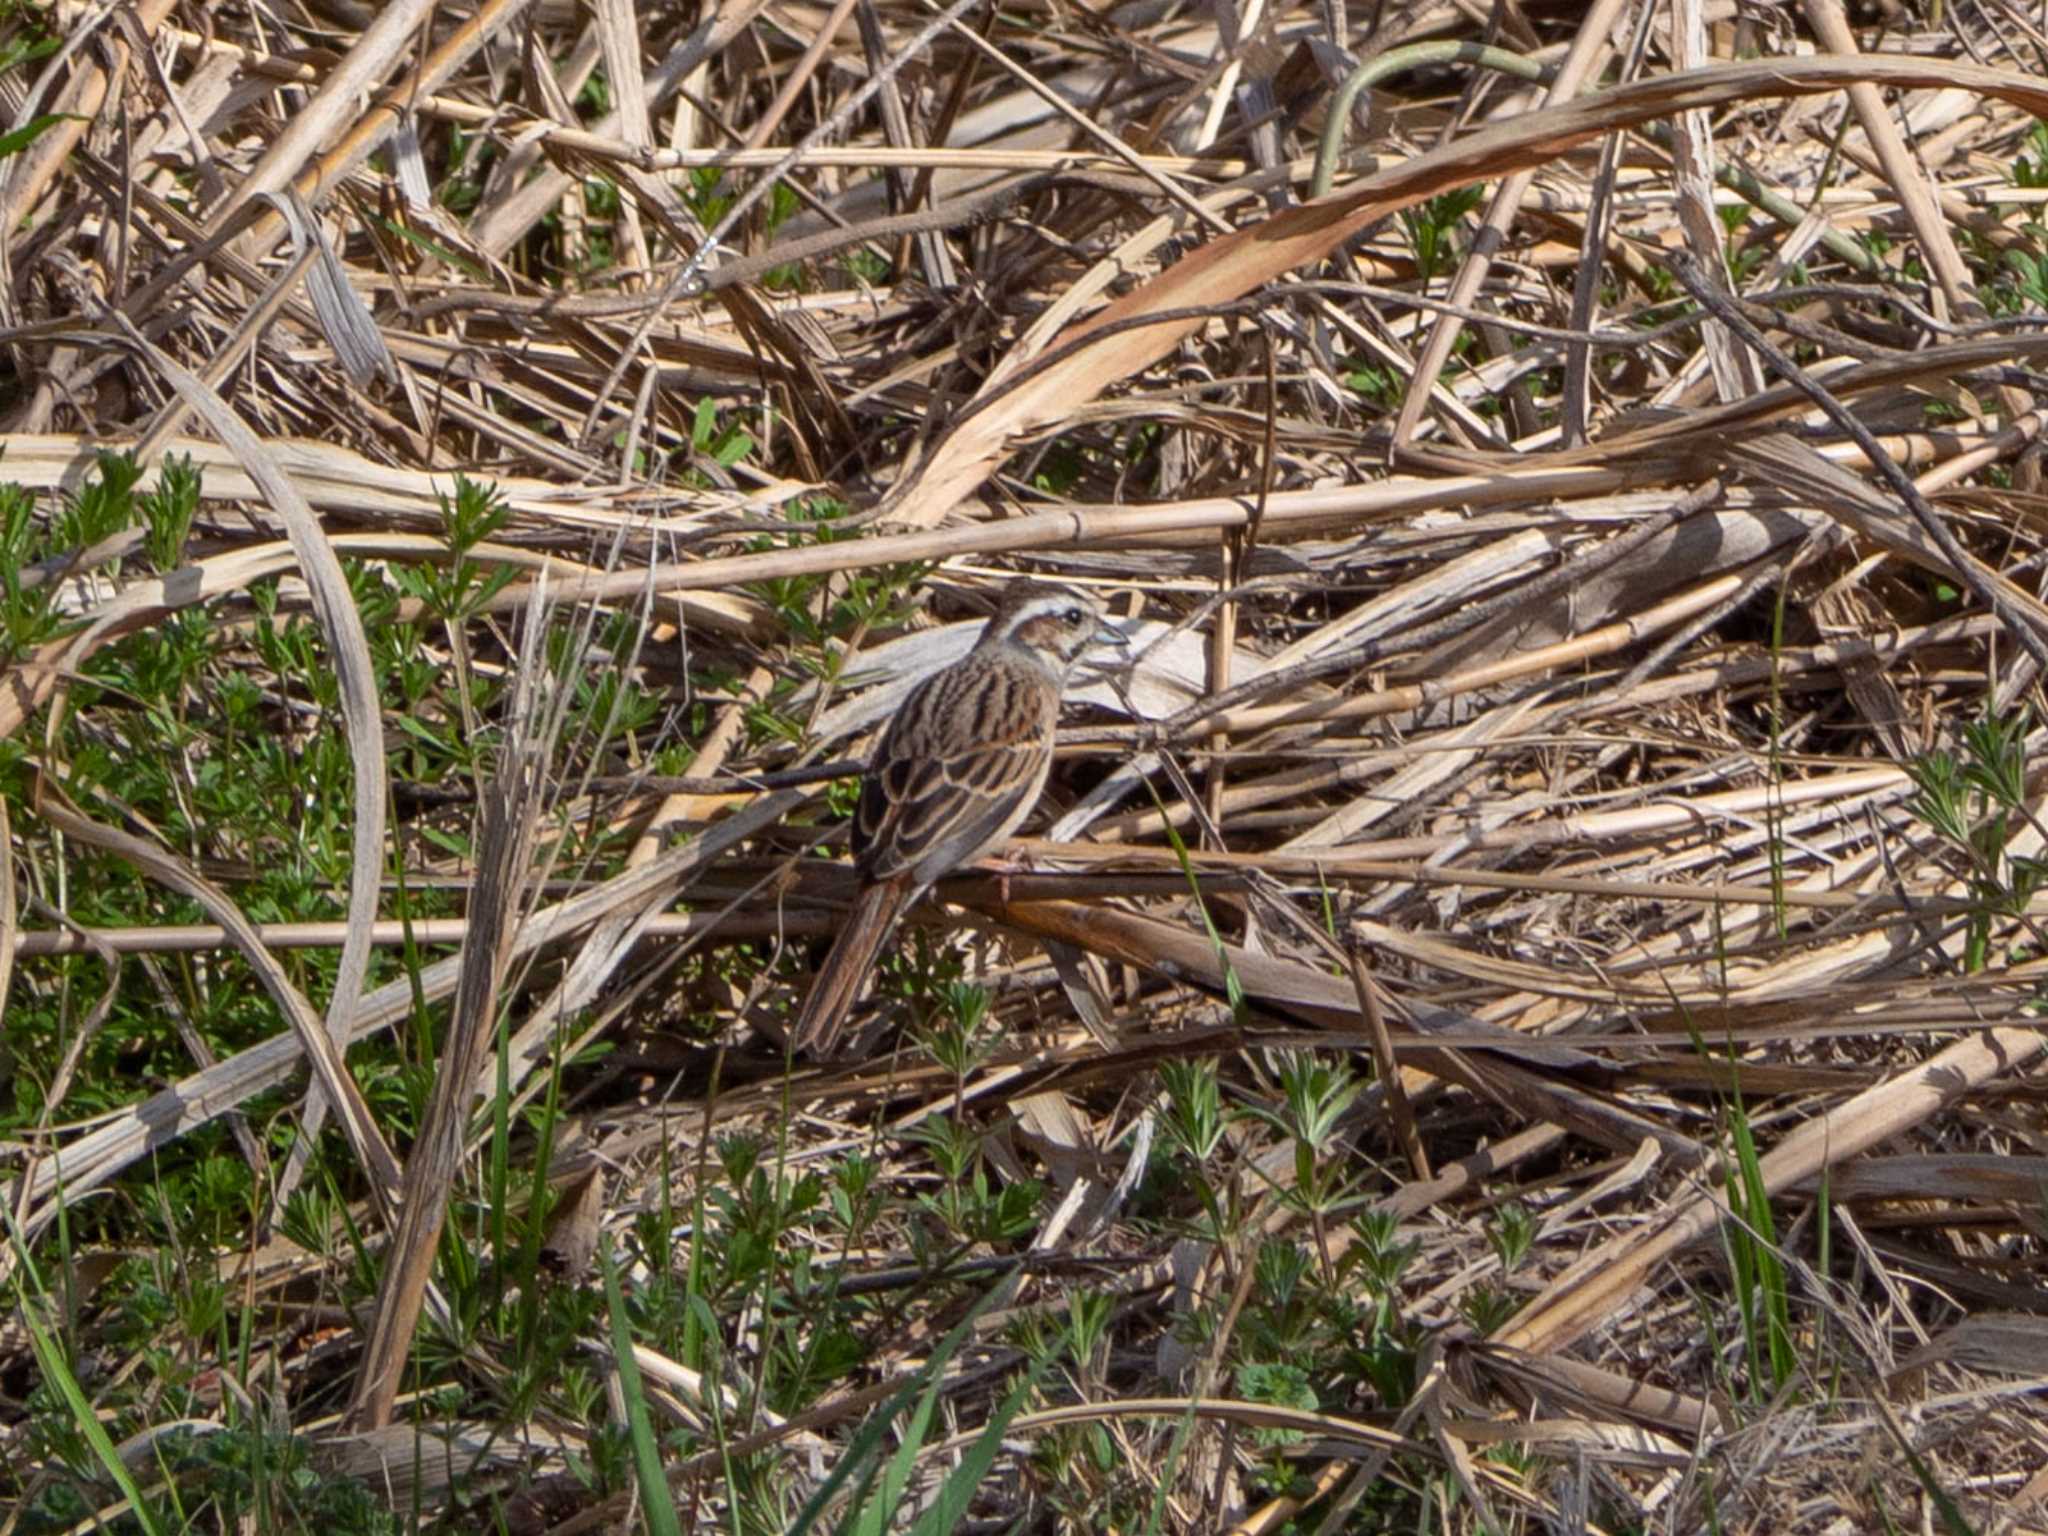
x=1073, y=616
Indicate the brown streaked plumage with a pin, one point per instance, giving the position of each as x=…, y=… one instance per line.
x=955, y=772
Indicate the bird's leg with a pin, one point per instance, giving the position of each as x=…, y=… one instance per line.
x=1010, y=862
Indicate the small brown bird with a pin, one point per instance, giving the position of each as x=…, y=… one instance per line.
x=957, y=769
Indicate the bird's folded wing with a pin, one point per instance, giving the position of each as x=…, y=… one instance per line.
x=933, y=815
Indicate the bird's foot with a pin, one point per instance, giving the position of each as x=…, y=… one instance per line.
x=1004, y=868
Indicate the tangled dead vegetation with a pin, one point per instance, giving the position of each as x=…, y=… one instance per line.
x=1519, y=1012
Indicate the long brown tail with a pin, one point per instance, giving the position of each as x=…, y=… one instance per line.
x=844, y=975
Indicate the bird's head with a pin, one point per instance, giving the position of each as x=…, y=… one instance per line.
x=1056, y=624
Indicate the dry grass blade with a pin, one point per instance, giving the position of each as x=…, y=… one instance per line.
x=341, y=624
x=1577, y=1301
x=329, y=1071
x=1589, y=44
x=382, y=47
x=513, y=804
x=10, y=915
x=80, y=99
x=1145, y=325
x=102, y=1152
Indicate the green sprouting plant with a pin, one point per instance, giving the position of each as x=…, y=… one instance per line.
x=1432, y=223
x=1282, y=1383
x=866, y=266
x=601, y=197
x=168, y=511
x=781, y=205
x=2031, y=171
x=854, y=1196
x=1194, y=1121
x=1194, y=1124
x=1378, y=385
x=2025, y=274
x=654, y=1495
x=878, y=598
x=1975, y=803
x=31, y=39
x=1380, y=1256
x=1745, y=259
x=968, y=1207
x=1059, y=469
x=1233, y=984
x=1511, y=1234
x=463, y=587
x=609, y=704
x=26, y=610
x=470, y=156
x=707, y=196
x=103, y=507
x=958, y=1036
x=595, y=98
x=1286, y=1313
x=1382, y=1343
x=1085, y=1337
x=721, y=442
x=1315, y=1093
x=1486, y=1307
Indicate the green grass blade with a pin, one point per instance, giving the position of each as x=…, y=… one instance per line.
x=654, y=1495
x=31, y=1300
x=861, y=1463
x=950, y=1508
